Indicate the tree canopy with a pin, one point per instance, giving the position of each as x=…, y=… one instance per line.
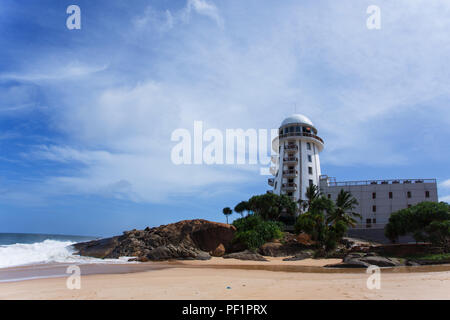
x=426, y=221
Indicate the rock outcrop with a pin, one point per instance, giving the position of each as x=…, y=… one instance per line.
x=290, y=245
x=364, y=260
x=188, y=239
x=245, y=255
x=307, y=254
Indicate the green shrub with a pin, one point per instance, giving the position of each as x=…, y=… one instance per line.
x=253, y=231
x=426, y=221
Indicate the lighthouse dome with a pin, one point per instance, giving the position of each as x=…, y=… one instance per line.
x=297, y=119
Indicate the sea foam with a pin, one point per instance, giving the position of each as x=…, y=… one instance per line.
x=47, y=251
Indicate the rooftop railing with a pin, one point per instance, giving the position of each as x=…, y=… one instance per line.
x=332, y=183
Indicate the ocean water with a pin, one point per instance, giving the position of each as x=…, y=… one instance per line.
x=20, y=249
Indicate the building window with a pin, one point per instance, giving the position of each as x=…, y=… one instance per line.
x=409, y=206
x=408, y=194
x=427, y=194
x=329, y=196
x=308, y=146
x=374, y=195
x=374, y=220
x=374, y=208
x=311, y=183
x=309, y=158
x=310, y=170
x=390, y=195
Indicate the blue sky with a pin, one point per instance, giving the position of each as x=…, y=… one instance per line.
x=86, y=115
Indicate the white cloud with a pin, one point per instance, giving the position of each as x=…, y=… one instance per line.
x=163, y=21
x=71, y=70
x=445, y=184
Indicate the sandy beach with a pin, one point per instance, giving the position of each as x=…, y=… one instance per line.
x=235, y=279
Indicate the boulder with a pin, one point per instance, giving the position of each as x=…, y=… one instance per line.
x=351, y=263
x=379, y=261
x=305, y=239
x=307, y=254
x=101, y=248
x=288, y=246
x=245, y=255
x=188, y=239
x=219, y=251
x=364, y=260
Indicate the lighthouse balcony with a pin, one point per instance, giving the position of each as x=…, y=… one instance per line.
x=289, y=186
x=301, y=134
x=288, y=160
x=291, y=147
x=290, y=173
x=271, y=181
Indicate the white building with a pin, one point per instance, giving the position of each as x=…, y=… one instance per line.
x=299, y=167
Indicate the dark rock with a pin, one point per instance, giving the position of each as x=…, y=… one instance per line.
x=350, y=263
x=300, y=256
x=289, y=246
x=101, y=248
x=379, y=261
x=188, y=239
x=412, y=263
x=363, y=260
x=245, y=255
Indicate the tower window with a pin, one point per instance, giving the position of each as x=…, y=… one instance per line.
x=310, y=171
x=374, y=208
x=427, y=194
x=408, y=194
x=374, y=195
x=309, y=158
x=308, y=146
x=311, y=182
x=390, y=195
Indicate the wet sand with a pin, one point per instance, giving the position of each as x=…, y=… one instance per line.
x=228, y=279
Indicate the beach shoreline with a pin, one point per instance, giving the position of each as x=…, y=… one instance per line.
x=232, y=279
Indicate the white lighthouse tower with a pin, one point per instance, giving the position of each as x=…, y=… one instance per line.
x=298, y=161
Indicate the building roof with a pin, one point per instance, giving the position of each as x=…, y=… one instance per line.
x=297, y=119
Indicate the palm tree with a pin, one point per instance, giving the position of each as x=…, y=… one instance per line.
x=345, y=203
x=312, y=193
x=241, y=207
x=227, y=211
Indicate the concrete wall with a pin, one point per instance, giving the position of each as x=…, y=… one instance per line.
x=379, y=209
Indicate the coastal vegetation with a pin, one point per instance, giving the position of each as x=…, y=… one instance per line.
x=426, y=221
x=253, y=231
x=325, y=221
